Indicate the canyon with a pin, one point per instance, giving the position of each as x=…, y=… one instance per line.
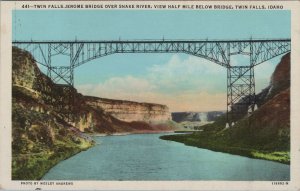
x=44, y=131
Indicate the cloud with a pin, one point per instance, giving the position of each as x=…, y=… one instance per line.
x=116, y=86
x=186, y=74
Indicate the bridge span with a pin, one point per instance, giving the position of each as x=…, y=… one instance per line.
x=240, y=78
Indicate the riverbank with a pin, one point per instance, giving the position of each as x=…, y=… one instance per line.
x=33, y=166
x=205, y=141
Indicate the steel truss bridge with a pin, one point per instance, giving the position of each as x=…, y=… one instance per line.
x=240, y=78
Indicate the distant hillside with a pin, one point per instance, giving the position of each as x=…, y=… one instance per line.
x=264, y=134
x=196, y=116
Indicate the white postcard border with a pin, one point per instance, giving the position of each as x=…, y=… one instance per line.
x=5, y=113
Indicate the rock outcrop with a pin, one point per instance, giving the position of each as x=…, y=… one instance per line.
x=131, y=111
x=280, y=81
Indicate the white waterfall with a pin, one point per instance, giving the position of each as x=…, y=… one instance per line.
x=203, y=116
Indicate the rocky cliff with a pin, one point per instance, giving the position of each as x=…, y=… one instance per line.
x=40, y=135
x=44, y=132
x=280, y=81
x=131, y=111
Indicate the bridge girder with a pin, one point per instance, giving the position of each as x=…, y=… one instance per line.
x=240, y=79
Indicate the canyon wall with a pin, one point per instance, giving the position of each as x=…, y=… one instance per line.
x=131, y=111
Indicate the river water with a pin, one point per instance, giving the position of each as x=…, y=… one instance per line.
x=146, y=157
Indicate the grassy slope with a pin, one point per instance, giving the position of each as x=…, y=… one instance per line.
x=214, y=143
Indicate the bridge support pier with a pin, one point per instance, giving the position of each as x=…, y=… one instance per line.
x=240, y=92
x=63, y=77
x=66, y=94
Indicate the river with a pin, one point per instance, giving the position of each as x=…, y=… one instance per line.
x=146, y=157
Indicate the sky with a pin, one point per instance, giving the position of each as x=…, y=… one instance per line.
x=183, y=82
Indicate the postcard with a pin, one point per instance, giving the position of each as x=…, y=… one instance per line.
x=150, y=95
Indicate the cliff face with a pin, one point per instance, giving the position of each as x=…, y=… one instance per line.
x=131, y=111
x=280, y=81
x=41, y=133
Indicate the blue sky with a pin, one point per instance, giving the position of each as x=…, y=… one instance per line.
x=184, y=83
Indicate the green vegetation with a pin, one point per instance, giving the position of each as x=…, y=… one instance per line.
x=221, y=146
x=243, y=139
x=33, y=159
x=283, y=157
x=33, y=166
x=41, y=138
